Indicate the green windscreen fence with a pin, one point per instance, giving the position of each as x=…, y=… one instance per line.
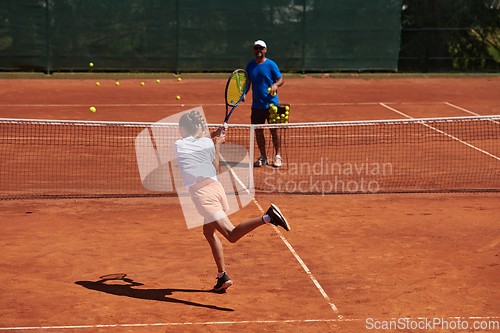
x=196, y=35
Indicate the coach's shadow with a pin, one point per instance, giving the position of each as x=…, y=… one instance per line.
x=147, y=294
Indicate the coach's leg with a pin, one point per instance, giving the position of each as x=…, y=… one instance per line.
x=261, y=141
x=276, y=140
x=259, y=116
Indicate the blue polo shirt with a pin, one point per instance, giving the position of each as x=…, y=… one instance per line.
x=262, y=77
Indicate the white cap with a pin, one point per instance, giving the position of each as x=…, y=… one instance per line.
x=261, y=43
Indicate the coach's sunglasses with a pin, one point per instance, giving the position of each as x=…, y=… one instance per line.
x=258, y=48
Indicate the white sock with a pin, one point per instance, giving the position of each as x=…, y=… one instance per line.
x=266, y=218
x=220, y=274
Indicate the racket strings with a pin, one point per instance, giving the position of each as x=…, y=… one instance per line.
x=236, y=88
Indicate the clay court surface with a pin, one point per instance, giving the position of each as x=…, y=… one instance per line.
x=349, y=259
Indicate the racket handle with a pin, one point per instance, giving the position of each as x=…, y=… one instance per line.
x=224, y=124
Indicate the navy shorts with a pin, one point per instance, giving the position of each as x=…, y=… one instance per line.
x=259, y=116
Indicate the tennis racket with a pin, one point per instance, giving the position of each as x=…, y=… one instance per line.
x=236, y=88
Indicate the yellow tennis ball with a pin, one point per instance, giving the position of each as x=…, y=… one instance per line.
x=287, y=113
x=179, y=79
x=97, y=83
x=92, y=109
x=269, y=89
x=178, y=97
x=158, y=81
x=142, y=83
x=117, y=83
x=91, y=64
x=287, y=108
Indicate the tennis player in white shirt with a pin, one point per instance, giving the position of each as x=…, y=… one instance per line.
x=197, y=157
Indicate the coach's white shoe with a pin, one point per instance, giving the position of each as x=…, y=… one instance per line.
x=277, y=161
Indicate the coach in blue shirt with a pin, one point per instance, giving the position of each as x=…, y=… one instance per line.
x=264, y=74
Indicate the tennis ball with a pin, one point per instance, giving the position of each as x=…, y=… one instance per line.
x=287, y=113
x=179, y=79
x=269, y=89
x=117, y=83
x=287, y=108
x=158, y=81
x=142, y=83
x=178, y=97
x=92, y=109
x=91, y=64
x=97, y=83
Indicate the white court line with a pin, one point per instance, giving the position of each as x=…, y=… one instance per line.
x=241, y=322
x=468, y=111
x=178, y=324
x=462, y=109
x=290, y=247
x=444, y=133
x=308, y=272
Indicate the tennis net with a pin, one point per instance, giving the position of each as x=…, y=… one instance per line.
x=73, y=159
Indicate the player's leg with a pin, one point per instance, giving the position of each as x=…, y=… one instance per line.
x=209, y=231
x=234, y=234
x=223, y=281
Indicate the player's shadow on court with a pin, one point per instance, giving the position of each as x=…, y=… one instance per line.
x=128, y=290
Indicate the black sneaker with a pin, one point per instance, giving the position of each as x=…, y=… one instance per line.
x=277, y=218
x=223, y=283
x=261, y=161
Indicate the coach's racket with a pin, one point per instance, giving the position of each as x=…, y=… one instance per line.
x=236, y=88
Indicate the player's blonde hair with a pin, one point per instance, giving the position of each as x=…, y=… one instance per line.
x=194, y=123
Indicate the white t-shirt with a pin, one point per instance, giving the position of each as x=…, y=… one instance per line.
x=195, y=157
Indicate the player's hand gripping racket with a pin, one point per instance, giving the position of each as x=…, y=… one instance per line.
x=236, y=88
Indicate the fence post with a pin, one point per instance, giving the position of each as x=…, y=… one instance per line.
x=47, y=35
x=304, y=38
x=177, y=38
